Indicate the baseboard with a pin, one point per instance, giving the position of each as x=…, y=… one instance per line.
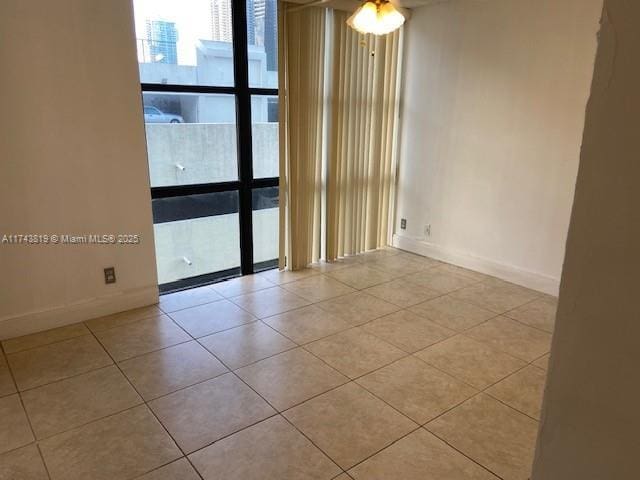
x=509, y=273
x=60, y=316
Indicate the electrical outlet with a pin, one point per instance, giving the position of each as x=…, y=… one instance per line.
x=427, y=230
x=110, y=275
x=403, y=223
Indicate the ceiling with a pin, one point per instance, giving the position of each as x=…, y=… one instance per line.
x=353, y=4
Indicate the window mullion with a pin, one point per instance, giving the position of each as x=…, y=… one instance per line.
x=243, y=112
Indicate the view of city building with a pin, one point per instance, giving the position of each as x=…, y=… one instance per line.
x=251, y=22
x=221, y=21
x=160, y=41
x=162, y=37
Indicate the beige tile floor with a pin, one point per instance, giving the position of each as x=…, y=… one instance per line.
x=386, y=365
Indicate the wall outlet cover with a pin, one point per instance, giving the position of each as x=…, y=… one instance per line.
x=109, y=275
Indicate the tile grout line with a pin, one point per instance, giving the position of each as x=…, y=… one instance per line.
x=197, y=339
x=75, y=427
x=464, y=454
x=362, y=290
x=237, y=377
x=419, y=425
x=314, y=444
x=155, y=469
x=484, y=390
x=477, y=394
x=211, y=287
x=33, y=433
x=396, y=360
x=328, y=278
x=527, y=325
x=277, y=413
x=423, y=425
x=281, y=412
x=149, y=408
x=251, y=293
x=477, y=304
x=325, y=392
x=155, y=315
x=298, y=345
x=48, y=343
x=478, y=391
x=46, y=467
x=115, y=363
x=253, y=362
x=403, y=276
x=143, y=401
x=60, y=380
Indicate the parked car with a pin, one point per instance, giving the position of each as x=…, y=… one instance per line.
x=154, y=115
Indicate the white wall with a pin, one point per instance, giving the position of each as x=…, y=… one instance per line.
x=590, y=416
x=492, y=116
x=73, y=160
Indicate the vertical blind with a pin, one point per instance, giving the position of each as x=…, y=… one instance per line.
x=338, y=136
x=301, y=76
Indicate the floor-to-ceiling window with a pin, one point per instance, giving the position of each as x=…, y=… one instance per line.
x=209, y=75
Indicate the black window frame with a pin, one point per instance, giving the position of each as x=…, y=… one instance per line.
x=245, y=183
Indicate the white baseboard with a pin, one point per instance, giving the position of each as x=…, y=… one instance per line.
x=509, y=273
x=60, y=316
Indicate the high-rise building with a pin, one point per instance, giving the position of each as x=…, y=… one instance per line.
x=271, y=34
x=162, y=37
x=258, y=18
x=262, y=19
x=251, y=21
x=259, y=6
x=221, y=26
x=262, y=26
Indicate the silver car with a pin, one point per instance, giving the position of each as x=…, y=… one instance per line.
x=153, y=115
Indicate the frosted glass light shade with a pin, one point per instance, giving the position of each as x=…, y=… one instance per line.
x=378, y=17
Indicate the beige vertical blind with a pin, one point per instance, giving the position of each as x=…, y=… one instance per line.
x=301, y=77
x=337, y=136
x=361, y=139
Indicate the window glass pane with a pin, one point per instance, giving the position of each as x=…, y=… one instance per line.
x=265, y=224
x=262, y=39
x=264, y=131
x=196, y=235
x=186, y=42
x=190, y=138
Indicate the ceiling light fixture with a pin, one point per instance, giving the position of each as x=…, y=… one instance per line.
x=376, y=16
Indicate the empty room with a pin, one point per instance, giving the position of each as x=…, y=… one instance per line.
x=319, y=239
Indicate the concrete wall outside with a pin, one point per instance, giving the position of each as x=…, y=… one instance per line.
x=212, y=244
x=207, y=151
